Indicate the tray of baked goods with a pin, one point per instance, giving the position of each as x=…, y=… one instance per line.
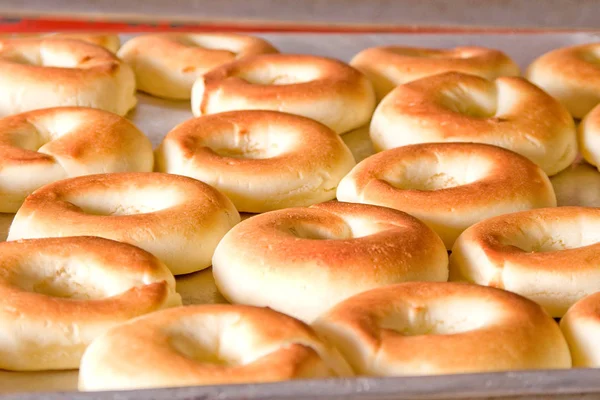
x=299, y=216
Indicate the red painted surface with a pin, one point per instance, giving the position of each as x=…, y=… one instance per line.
x=9, y=25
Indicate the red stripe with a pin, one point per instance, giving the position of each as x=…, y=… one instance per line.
x=65, y=25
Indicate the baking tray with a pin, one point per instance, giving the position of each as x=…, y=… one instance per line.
x=156, y=117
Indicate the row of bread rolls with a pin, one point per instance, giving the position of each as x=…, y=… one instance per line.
x=66, y=292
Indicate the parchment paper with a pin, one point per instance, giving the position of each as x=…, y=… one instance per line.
x=155, y=117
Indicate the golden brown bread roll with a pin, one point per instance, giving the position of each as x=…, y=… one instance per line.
x=47, y=72
x=581, y=327
x=571, y=75
x=453, y=107
x=449, y=186
x=262, y=160
x=178, y=219
x=549, y=255
x=390, y=66
x=42, y=146
x=58, y=294
x=588, y=134
x=432, y=328
x=207, y=345
x=302, y=261
x=167, y=64
x=319, y=88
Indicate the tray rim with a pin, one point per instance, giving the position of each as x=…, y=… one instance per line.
x=543, y=384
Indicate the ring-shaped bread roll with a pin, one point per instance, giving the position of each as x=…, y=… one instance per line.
x=302, y=261
x=390, y=66
x=42, y=146
x=207, y=345
x=549, y=255
x=581, y=327
x=588, y=134
x=571, y=75
x=449, y=186
x=433, y=328
x=319, y=88
x=238, y=151
x=46, y=72
x=58, y=294
x=167, y=64
x=178, y=219
x=508, y=112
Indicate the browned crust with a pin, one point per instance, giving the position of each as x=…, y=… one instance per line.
x=179, y=52
x=513, y=332
x=309, y=160
x=344, y=88
x=510, y=178
x=94, y=135
x=276, y=347
x=301, y=261
x=571, y=75
x=182, y=230
x=390, y=66
x=527, y=121
x=498, y=238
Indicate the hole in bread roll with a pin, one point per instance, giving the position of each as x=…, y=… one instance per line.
x=220, y=44
x=318, y=232
x=548, y=237
x=64, y=277
x=261, y=143
x=349, y=227
x=66, y=280
x=43, y=57
x=135, y=201
x=445, y=318
x=443, y=172
x=200, y=348
x=470, y=101
x=48, y=127
x=282, y=75
x=217, y=340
